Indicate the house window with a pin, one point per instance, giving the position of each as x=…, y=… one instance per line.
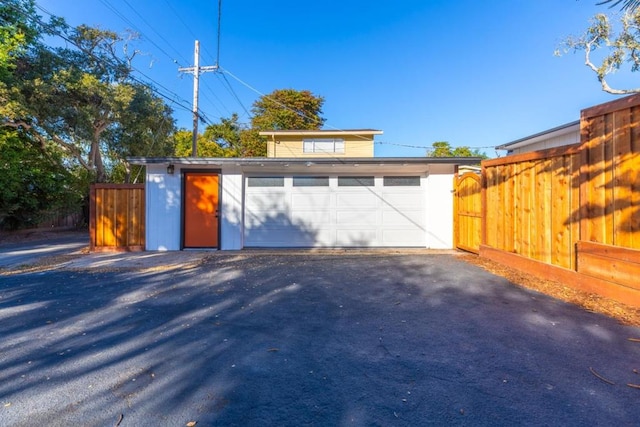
x=356, y=181
x=265, y=181
x=401, y=181
x=323, y=145
x=310, y=181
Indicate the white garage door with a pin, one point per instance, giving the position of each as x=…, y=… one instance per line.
x=334, y=211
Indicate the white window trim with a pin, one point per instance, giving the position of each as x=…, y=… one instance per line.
x=310, y=145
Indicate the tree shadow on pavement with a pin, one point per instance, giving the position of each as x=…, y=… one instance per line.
x=305, y=340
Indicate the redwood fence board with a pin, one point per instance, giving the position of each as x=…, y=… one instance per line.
x=467, y=212
x=572, y=213
x=117, y=218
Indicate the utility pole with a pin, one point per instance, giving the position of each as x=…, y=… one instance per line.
x=196, y=70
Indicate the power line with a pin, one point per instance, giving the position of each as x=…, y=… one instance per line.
x=105, y=62
x=427, y=147
x=218, y=100
x=176, y=13
x=234, y=94
x=196, y=70
x=126, y=20
x=423, y=147
x=219, y=22
x=155, y=31
x=275, y=101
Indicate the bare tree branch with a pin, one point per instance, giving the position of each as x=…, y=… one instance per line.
x=623, y=47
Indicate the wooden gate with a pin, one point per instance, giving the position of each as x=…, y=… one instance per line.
x=117, y=217
x=467, y=212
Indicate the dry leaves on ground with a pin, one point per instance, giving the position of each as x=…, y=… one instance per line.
x=624, y=314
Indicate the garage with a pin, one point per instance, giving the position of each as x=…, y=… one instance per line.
x=335, y=211
x=299, y=203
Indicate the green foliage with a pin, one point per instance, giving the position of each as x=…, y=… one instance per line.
x=281, y=109
x=33, y=182
x=82, y=98
x=444, y=149
x=618, y=49
x=183, y=140
x=288, y=109
x=223, y=139
x=69, y=115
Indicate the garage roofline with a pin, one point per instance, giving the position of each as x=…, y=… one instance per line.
x=259, y=161
x=321, y=132
x=540, y=136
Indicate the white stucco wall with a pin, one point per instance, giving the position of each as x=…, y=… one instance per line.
x=231, y=211
x=439, y=201
x=163, y=211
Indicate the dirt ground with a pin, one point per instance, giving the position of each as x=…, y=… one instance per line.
x=624, y=314
x=35, y=234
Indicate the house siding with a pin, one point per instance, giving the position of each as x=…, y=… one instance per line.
x=292, y=146
x=558, y=141
x=439, y=202
x=163, y=209
x=231, y=210
x=164, y=212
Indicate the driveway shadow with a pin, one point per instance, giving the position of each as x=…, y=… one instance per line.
x=306, y=340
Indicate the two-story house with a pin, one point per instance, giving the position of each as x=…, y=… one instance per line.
x=320, y=143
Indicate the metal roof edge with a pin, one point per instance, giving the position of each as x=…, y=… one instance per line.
x=322, y=131
x=242, y=161
x=531, y=138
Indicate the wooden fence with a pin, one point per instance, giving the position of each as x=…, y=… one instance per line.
x=467, y=221
x=572, y=213
x=117, y=219
x=532, y=201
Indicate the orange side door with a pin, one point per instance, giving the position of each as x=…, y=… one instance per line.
x=201, y=210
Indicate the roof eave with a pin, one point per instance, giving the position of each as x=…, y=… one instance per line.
x=531, y=139
x=321, y=132
x=247, y=161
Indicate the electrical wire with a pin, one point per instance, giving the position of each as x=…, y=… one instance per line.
x=63, y=36
x=233, y=93
x=176, y=13
x=426, y=146
x=423, y=147
x=176, y=99
x=134, y=27
x=156, y=32
x=219, y=29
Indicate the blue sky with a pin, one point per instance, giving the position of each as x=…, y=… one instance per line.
x=474, y=73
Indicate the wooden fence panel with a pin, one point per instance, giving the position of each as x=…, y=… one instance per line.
x=468, y=212
x=610, y=189
x=117, y=217
x=612, y=263
x=531, y=203
x=575, y=210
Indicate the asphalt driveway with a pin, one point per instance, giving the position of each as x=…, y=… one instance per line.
x=13, y=255
x=312, y=339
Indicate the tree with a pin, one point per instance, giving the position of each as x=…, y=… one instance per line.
x=444, y=149
x=32, y=181
x=144, y=128
x=84, y=98
x=17, y=32
x=286, y=109
x=621, y=48
x=219, y=140
x=281, y=109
